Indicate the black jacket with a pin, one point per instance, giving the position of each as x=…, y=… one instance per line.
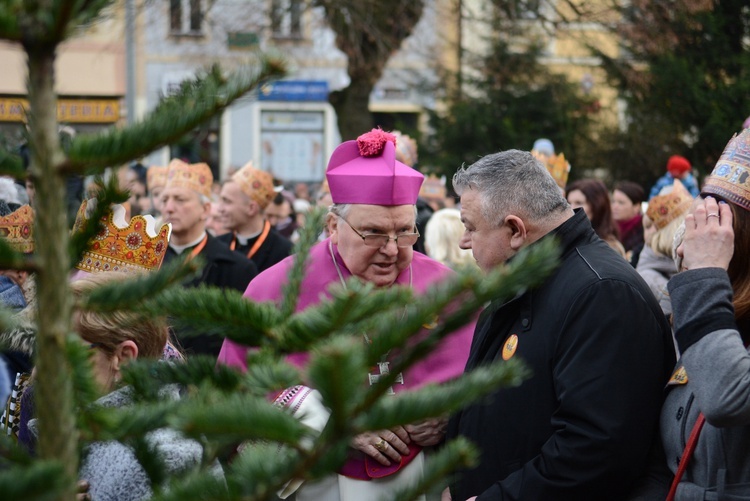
x=224, y=269
x=600, y=349
x=274, y=249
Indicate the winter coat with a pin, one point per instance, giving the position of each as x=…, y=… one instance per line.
x=656, y=270
x=716, y=382
x=600, y=352
x=114, y=473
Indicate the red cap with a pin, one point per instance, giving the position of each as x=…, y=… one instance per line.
x=678, y=166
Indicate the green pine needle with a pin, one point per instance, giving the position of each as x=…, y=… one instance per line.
x=197, y=101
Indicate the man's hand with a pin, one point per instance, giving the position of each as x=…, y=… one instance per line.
x=384, y=445
x=428, y=432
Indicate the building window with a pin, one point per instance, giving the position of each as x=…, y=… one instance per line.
x=286, y=18
x=185, y=17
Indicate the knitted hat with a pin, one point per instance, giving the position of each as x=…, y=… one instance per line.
x=196, y=177
x=17, y=227
x=663, y=209
x=134, y=247
x=156, y=177
x=366, y=171
x=256, y=184
x=730, y=178
x=678, y=166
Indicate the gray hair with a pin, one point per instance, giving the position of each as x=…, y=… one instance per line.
x=511, y=181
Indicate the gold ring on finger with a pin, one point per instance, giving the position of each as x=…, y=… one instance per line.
x=382, y=445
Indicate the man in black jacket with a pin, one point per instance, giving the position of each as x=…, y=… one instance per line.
x=186, y=204
x=581, y=427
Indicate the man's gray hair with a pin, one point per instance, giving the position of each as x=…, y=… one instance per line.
x=511, y=181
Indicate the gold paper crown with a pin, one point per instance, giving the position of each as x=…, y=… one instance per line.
x=406, y=149
x=730, y=178
x=17, y=228
x=134, y=247
x=432, y=188
x=256, y=184
x=156, y=176
x=557, y=166
x=196, y=177
x=663, y=209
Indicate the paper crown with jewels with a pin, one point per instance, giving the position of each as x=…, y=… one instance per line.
x=433, y=188
x=256, y=184
x=556, y=165
x=730, y=178
x=663, y=209
x=196, y=177
x=366, y=171
x=17, y=228
x=134, y=247
x=155, y=177
x=406, y=149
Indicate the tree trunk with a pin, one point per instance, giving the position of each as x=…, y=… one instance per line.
x=352, y=108
x=58, y=435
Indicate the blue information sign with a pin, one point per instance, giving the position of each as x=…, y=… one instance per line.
x=294, y=90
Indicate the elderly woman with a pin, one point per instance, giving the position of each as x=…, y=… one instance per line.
x=707, y=406
x=110, y=467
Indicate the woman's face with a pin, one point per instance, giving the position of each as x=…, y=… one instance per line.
x=577, y=199
x=623, y=208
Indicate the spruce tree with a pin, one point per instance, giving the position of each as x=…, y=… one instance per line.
x=222, y=407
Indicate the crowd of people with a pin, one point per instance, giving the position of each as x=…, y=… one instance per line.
x=637, y=342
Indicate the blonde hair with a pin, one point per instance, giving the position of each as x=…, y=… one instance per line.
x=108, y=330
x=662, y=241
x=442, y=234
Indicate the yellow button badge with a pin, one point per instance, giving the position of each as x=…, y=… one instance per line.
x=509, y=349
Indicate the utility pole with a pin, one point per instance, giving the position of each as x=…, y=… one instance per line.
x=130, y=59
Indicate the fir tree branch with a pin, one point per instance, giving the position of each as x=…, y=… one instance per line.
x=11, y=163
x=197, y=101
x=197, y=485
x=132, y=293
x=88, y=226
x=11, y=259
x=308, y=238
x=40, y=480
x=9, y=20
x=454, y=455
x=439, y=400
x=266, y=373
x=208, y=310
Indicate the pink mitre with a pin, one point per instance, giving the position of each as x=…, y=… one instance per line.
x=366, y=171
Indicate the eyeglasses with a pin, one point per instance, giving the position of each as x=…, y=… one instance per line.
x=377, y=241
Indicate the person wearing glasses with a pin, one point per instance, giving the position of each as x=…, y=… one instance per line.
x=372, y=228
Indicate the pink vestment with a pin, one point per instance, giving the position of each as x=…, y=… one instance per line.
x=447, y=361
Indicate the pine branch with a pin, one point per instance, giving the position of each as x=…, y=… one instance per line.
x=208, y=310
x=132, y=293
x=11, y=259
x=40, y=480
x=200, y=485
x=439, y=400
x=456, y=454
x=197, y=101
x=11, y=163
x=87, y=228
x=10, y=13
x=85, y=390
x=266, y=373
x=308, y=238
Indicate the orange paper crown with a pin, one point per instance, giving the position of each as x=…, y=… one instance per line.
x=256, y=184
x=730, y=178
x=196, y=177
x=17, y=228
x=557, y=166
x=134, y=247
x=663, y=209
x=406, y=149
x=156, y=177
x=432, y=188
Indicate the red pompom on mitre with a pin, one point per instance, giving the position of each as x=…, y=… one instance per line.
x=371, y=143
